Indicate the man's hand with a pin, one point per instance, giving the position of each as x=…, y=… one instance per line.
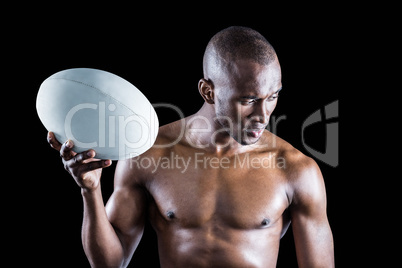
x=83, y=167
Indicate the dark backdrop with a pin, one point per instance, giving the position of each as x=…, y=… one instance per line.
x=162, y=56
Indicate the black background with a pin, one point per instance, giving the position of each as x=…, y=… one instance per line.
x=161, y=54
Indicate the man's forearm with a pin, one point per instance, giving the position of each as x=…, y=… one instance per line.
x=100, y=241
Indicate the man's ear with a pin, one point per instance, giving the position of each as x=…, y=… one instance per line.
x=206, y=89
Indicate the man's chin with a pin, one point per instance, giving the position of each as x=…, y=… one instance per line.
x=249, y=140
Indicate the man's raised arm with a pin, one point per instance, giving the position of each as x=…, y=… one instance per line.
x=109, y=236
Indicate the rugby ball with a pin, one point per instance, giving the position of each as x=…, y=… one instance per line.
x=97, y=110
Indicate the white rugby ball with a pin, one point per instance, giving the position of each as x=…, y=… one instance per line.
x=97, y=110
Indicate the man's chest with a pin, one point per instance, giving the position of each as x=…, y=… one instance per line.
x=244, y=197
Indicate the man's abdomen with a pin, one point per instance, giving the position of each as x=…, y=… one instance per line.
x=213, y=247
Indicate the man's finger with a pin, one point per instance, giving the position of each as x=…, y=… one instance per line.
x=80, y=157
x=97, y=164
x=54, y=143
x=66, y=150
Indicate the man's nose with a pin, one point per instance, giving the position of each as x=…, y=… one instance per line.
x=261, y=113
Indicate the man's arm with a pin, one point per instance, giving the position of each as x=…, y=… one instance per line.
x=110, y=235
x=126, y=208
x=311, y=230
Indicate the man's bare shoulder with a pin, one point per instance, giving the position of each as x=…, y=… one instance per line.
x=168, y=136
x=283, y=148
x=302, y=172
x=171, y=133
x=299, y=167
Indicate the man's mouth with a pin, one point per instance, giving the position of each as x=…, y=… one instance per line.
x=255, y=133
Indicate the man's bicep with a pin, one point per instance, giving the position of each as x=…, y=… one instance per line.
x=126, y=209
x=311, y=230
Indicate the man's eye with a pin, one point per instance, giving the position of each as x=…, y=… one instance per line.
x=273, y=97
x=247, y=102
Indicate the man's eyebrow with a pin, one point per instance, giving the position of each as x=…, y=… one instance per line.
x=278, y=90
x=253, y=97
x=249, y=97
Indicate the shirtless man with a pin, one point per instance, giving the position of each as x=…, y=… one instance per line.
x=219, y=189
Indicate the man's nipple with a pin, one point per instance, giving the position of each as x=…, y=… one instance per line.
x=265, y=222
x=170, y=214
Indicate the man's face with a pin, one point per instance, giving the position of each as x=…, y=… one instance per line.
x=245, y=97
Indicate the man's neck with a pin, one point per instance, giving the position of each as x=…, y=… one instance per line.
x=205, y=132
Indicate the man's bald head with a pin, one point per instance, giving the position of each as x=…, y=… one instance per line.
x=233, y=44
